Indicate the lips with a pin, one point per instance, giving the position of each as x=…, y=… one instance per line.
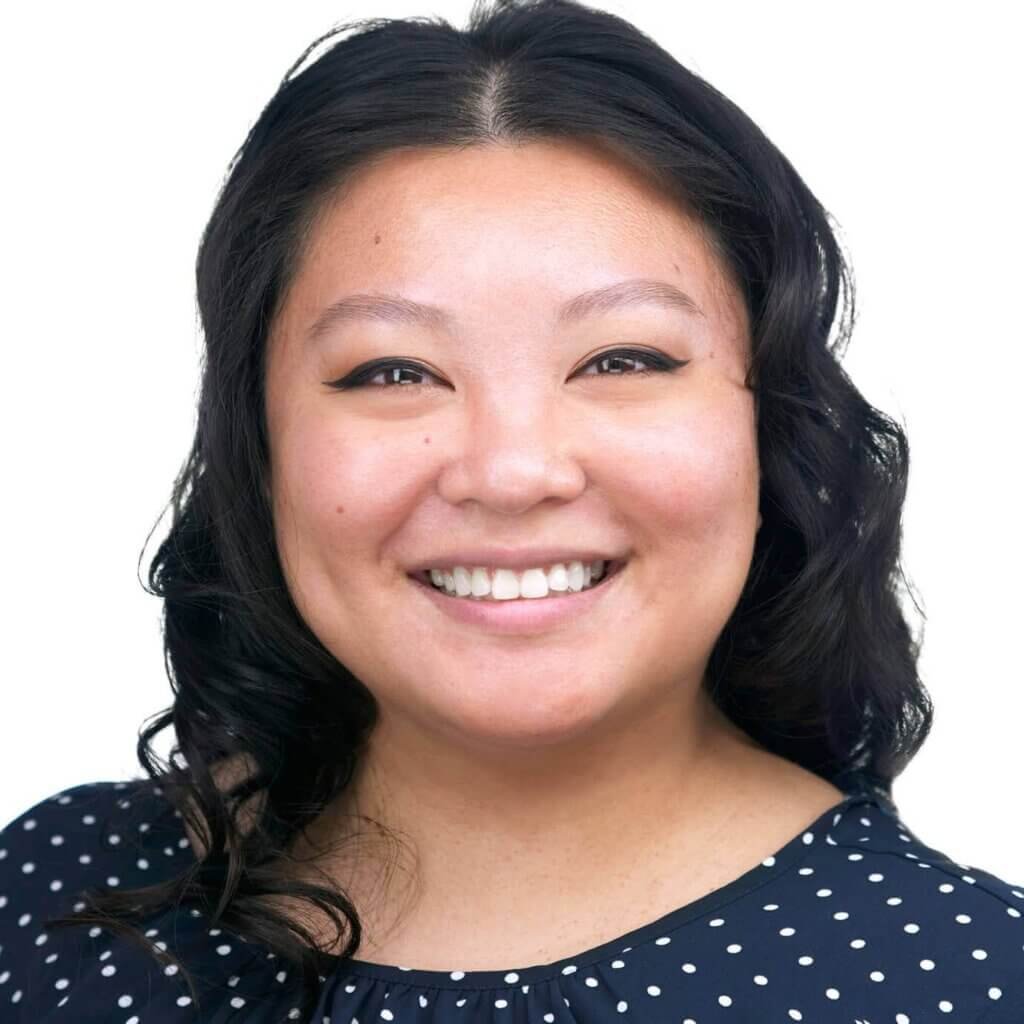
x=611, y=568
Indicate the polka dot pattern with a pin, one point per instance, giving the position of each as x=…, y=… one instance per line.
x=854, y=921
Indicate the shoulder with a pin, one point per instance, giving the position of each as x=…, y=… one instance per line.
x=112, y=834
x=951, y=933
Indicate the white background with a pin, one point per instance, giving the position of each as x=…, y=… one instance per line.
x=119, y=121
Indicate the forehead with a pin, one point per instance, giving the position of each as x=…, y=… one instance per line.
x=484, y=227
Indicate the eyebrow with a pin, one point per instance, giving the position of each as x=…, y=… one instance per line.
x=397, y=309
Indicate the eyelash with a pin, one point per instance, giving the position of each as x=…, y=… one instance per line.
x=361, y=376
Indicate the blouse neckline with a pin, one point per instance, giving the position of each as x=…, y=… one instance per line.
x=788, y=857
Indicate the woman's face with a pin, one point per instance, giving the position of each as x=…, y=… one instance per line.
x=513, y=434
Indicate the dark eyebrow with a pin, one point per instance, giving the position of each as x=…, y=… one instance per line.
x=396, y=309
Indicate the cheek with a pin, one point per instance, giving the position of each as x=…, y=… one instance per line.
x=337, y=489
x=695, y=476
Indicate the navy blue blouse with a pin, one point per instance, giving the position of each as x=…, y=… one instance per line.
x=853, y=921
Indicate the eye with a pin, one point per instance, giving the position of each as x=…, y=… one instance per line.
x=391, y=370
x=654, y=362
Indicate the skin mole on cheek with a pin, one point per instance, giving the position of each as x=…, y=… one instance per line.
x=426, y=440
x=376, y=239
x=340, y=510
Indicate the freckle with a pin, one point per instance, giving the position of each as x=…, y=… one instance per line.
x=376, y=239
x=426, y=440
x=340, y=510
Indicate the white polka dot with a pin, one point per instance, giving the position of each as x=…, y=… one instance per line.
x=832, y=993
x=237, y=1002
x=653, y=990
x=725, y=1000
x=184, y=1000
x=223, y=950
x=946, y=1006
x=622, y=1006
x=124, y=1002
x=927, y=965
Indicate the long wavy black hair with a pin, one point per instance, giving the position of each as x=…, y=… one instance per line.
x=817, y=661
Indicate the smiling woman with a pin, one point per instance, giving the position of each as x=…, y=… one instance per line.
x=532, y=522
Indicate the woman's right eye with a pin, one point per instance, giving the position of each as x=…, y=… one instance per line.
x=389, y=369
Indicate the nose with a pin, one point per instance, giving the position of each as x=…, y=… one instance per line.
x=513, y=453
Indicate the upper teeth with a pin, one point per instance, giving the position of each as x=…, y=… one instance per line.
x=506, y=584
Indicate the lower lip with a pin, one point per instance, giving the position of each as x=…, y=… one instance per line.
x=523, y=615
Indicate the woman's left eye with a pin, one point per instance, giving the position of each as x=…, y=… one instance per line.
x=655, y=362
x=391, y=369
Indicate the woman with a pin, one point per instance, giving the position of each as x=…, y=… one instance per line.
x=533, y=535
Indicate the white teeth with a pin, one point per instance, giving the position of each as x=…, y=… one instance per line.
x=507, y=585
